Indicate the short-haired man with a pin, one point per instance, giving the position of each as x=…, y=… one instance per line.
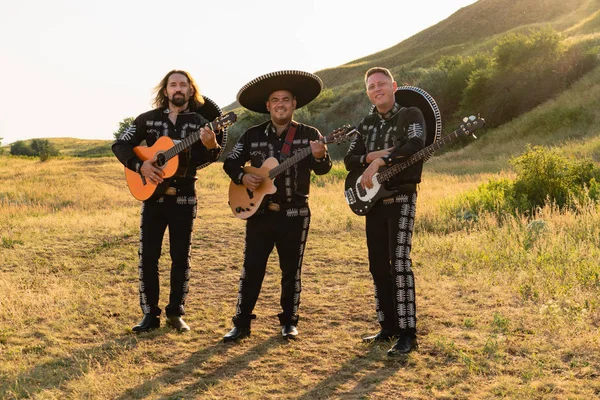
x=283, y=218
x=386, y=136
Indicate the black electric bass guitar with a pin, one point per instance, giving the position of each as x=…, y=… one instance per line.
x=362, y=200
x=245, y=202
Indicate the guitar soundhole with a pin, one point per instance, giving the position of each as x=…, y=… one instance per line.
x=160, y=160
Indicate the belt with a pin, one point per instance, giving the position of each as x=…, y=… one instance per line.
x=179, y=185
x=273, y=206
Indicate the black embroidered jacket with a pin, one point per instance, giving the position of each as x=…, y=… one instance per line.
x=402, y=130
x=153, y=124
x=261, y=142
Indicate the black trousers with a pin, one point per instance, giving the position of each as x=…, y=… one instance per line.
x=287, y=230
x=389, y=228
x=178, y=213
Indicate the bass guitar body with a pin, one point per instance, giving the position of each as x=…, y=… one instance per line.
x=362, y=200
x=139, y=186
x=245, y=202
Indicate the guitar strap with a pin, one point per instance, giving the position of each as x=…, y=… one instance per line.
x=289, y=139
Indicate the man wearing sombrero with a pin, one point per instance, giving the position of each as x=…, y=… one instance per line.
x=283, y=218
x=402, y=121
x=180, y=111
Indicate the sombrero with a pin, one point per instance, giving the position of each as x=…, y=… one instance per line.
x=303, y=85
x=210, y=110
x=411, y=96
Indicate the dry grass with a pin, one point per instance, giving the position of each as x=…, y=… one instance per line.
x=499, y=317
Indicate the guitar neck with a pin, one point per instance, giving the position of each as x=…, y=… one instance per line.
x=418, y=156
x=185, y=143
x=291, y=161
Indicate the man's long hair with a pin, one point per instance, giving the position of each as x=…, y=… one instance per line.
x=162, y=101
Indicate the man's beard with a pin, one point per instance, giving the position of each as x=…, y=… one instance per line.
x=178, y=100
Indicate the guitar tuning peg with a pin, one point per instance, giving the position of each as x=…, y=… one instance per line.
x=465, y=119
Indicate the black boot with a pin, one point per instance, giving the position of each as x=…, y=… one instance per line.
x=382, y=336
x=147, y=323
x=237, y=333
x=176, y=322
x=404, y=345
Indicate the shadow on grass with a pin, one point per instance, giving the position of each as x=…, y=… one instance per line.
x=58, y=372
x=183, y=370
x=370, y=361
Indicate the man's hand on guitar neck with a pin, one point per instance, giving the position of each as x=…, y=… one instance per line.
x=208, y=137
x=252, y=181
x=318, y=149
x=151, y=171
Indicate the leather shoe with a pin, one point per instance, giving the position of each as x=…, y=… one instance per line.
x=404, y=345
x=289, y=331
x=147, y=323
x=382, y=336
x=236, y=333
x=176, y=322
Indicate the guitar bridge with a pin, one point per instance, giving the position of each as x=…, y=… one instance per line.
x=350, y=198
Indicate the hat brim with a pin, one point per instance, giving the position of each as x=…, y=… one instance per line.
x=303, y=85
x=411, y=96
x=210, y=110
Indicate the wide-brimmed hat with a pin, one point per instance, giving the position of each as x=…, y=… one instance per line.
x=210, y=110
x=411, y=96
x=303, y=85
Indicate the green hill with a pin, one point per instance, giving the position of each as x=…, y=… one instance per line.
x=471, y=32
x=76, y=147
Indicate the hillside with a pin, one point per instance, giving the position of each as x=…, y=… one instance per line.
x=470, y=31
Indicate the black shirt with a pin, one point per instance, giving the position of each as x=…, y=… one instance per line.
x=403, y=129
x=153, y=124
x=261, y=142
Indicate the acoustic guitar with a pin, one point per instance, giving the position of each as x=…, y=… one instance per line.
x=245, y=202
x=362, y=200
x=165, y=151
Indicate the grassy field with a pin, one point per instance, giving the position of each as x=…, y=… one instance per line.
x=505, y=310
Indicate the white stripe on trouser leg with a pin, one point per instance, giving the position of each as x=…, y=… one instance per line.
x=142, y=288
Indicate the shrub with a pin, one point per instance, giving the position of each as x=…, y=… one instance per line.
x=37, y=147
x=543, y=176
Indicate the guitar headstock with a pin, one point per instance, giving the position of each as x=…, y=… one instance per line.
x=340, y=135
x=223, y=121
x=471, y=124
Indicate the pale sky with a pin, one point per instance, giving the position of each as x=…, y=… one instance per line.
x=75, y=68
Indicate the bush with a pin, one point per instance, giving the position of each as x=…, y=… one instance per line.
x=20, y=148
x=543, y=176
x=521, y=72
x=36, y=148
x=43, y=148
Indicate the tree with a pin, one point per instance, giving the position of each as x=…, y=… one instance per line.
x=20, y=148
x=43, y=148
x=1, y=149
x=123, y=126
